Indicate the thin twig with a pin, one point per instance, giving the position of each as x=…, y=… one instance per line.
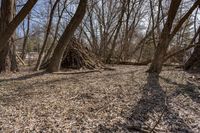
x=160, y=117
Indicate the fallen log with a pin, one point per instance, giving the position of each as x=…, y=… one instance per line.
x=135, y=63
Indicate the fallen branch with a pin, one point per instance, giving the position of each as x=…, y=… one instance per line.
x=163, y=112
x=135, y=63
x=109, y=69
x=139, y=129
x=90, y=71
x=160, y=117
x=73, y=97
x=20, y=59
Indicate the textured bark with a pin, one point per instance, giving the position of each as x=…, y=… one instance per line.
x=10, y=29
x=63, y=42
x=164, y=40
x=5, y=62
x=7, y=55
x=167, y=35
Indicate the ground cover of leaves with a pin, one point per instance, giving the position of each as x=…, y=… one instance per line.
x=125, y=100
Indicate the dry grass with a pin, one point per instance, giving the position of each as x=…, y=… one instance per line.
x=125, y=100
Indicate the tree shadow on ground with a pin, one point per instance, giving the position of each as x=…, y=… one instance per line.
x=153, y=101
x=28, y=91
x=189, y=89
x=24, y=77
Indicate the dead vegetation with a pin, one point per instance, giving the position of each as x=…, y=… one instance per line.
x=76, y=56
x=125, y=100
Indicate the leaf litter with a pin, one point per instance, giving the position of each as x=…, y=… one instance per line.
x=125, y=100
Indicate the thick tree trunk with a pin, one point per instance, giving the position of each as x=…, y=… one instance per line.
x=161, y=49
x=7, y=55
x=167, y=35
x=5, y=62
x=11, y=27
x=56, y=59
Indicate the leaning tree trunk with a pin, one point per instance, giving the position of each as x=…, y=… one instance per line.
x=194, y=60
x=48, y=30
x=11, y=27
x=53, y=44
x=56, y=59
x=76, y=56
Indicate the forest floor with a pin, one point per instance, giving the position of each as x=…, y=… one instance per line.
x=124, y=100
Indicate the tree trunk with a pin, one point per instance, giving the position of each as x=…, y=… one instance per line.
x=55, y=37
x=11, y=27
x=113, y=45
x=167, y=35
x=7, y=55
x=193, y=61
x=56, y=59
x=161, y=49
x=40, y=58
x=76, y=56
x=26, y=34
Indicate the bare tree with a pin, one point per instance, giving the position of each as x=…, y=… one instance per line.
x=8, y=24
x=65, y=38
x=26, y=35
x=167, y=35
x=40, y=58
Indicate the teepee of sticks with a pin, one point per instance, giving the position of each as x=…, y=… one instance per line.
x=77, y=56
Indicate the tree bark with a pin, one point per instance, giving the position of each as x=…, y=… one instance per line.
x=194, y=61
x=7, y=55
x=8, y=32
x=164, y=40
x=167, y=35
x=63, y=42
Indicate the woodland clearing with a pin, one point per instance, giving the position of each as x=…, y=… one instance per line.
x=124, y=100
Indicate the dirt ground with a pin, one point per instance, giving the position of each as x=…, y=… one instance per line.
x=121, y=101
